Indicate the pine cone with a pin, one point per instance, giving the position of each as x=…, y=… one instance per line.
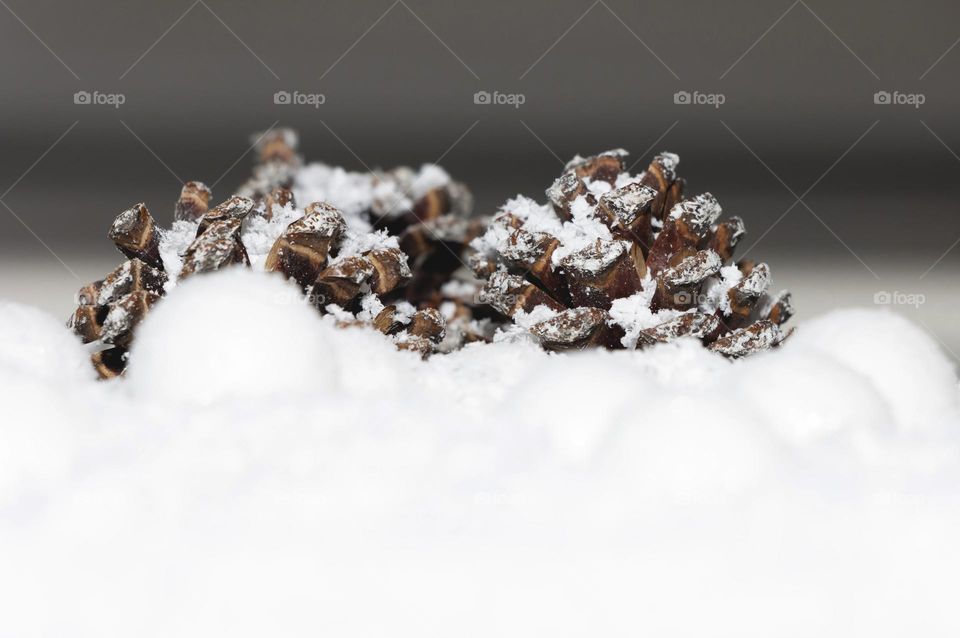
x=347, y=264
x=430, y=214
x=624, y=261
x=276, y=164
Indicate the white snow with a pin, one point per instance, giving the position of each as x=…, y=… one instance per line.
x=633, y=313
x=356, y=193
x=353, y=243
x=173, y=244
x=582, y=231
x=259, y=234
x=348, y=191
x=715, y=291
x=236, y=335
x=430, y=177
x=262, y=472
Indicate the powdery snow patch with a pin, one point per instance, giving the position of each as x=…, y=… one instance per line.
x=45, y=380
x=263, y=472
x=231, y=335
x=33, y=343
x=903, y=363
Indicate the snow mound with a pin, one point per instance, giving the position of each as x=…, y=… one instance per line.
x=34, y=344
x=232, y=335
x=902, y=362
x=262, y=472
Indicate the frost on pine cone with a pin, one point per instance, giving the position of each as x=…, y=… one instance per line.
x=625, y=261
x=343, y=249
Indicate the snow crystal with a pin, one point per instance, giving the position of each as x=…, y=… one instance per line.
x=703, y=210
x=463, y=290
x=633, y=314
x=597, y=187
x=173, y=244
x=519, y=330
x=579, y=233
x=625, y=179
x=595, y=258
x=536, y=218
x=353, y=244
x=351, y=192
x=259, y=234
x=356, y=193
x=669, y=162
x=528, y=319
x=370, y=307
x=716, y=290
x=429, y=178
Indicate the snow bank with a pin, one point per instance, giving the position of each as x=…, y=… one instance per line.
x=238, y=336
x=262, y=472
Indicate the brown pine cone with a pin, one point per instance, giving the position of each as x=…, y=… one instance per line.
x=275, y=165
x=624, y=261
x=348, y=262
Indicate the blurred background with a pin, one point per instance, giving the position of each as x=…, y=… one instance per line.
x=829, y=127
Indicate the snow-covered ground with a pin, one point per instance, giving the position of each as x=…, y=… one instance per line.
x=261, y=472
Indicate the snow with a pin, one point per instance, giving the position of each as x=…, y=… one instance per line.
x=358, y=193
x=430, y=177
x=262, y=472
x=585, y=229
x=354, y=244
x=259, y=233
x=173, y=244
x=236, y=334
x=34, y=345
x=905, y=366
x=716, y=290
x=633, y=314
x=586, y=246
x=348, y=191
x=579, y=233
x=463, y=290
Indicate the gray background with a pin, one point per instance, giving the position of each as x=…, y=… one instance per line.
x=399, y=77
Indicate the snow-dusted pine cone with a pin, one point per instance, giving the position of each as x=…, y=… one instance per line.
x=347, y=262
x=431, y=215
x=624, y=261
x=425, y=208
